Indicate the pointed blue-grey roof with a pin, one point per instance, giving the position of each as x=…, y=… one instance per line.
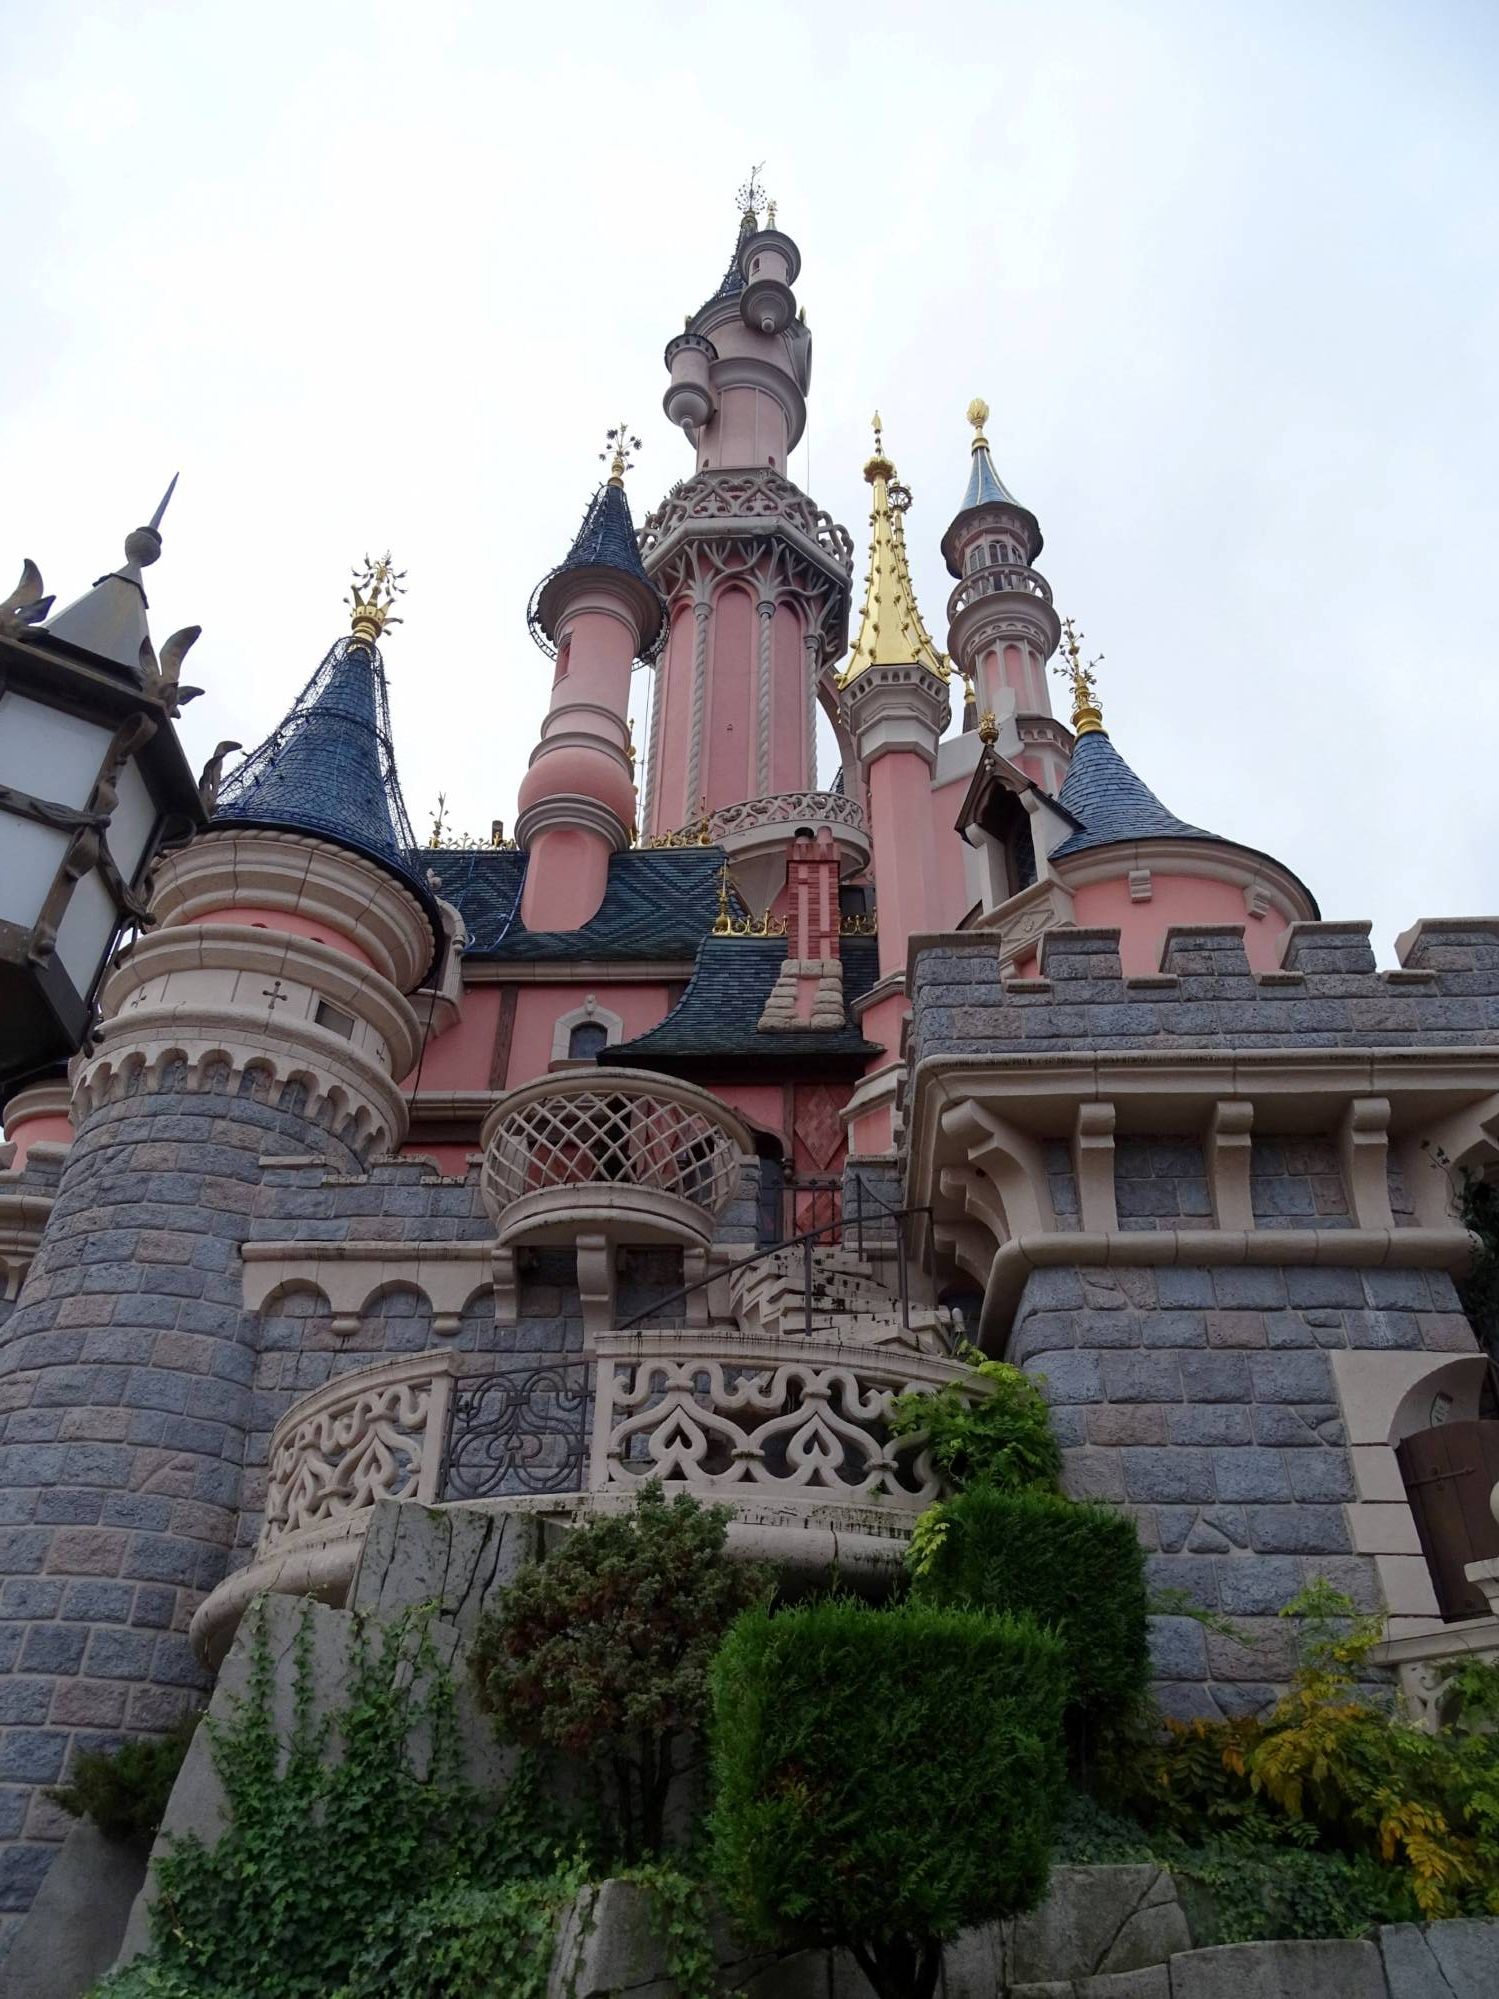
x=329, y=769
x=1104, y=794
x=606, y=540
x=984, y=483
x=732, y=282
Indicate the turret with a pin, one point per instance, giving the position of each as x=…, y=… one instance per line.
x=1002, y=628
x=264, y=1016
x=596, y=613
x=755, y=576
x=894, y=703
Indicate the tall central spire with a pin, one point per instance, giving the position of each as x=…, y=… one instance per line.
x=891, y=632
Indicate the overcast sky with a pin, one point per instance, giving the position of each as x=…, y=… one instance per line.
x=372, y=274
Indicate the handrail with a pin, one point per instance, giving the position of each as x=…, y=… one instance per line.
x=806, y=1240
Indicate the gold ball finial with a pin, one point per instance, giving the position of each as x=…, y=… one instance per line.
x=978, y=416
x=879, y=466
x=988, y=727
x=376, y=588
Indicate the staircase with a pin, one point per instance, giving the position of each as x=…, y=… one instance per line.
x=849, y=1302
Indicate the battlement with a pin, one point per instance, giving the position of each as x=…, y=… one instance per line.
x=1328, y=992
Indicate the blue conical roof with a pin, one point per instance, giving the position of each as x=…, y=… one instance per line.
x=1104, y=794
x=329, y=768
x=606, y=540
x=732, y=282
x=607, y=537
x=984, y=483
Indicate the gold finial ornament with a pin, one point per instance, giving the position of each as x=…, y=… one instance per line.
x=978, y=416
x=988, y=727
x=376, y=588
x=891, y=632
x=1087, y=717
x=617, y=453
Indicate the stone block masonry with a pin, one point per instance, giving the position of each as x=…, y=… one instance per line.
x=126, y=1381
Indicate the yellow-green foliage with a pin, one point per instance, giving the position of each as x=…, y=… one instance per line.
x=1000, y=1436
x=1357, y=1774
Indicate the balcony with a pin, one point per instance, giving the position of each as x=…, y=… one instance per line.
x=993, y=578
x=601, y=1158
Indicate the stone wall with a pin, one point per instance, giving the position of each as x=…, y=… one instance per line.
x=1329, y=994
x=126, y=1378
x=1203, y=1401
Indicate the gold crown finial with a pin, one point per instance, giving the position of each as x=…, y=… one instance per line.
x=617, y=452
x=879, y=466
x=978, y=416
x=1087, y=717
x=376, y=588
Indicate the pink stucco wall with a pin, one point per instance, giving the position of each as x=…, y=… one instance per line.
x=538, y=1009
x=52, y=1129
x=1174, y=899
x=728, y=760
x=252, y=916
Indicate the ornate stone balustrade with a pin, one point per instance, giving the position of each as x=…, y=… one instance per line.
x=784, y=810
x=724, y=1415
x=375, y=1434
x=994, y=577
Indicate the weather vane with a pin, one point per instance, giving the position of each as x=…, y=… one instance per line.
x=617, y=451
x=376, y=588
x=1087, y=717
x=750, y=195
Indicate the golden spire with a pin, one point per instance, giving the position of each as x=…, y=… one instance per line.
x=1087, y=717
x=376, y=588
x=978, y=416
x=617, y=450
x=891, y=632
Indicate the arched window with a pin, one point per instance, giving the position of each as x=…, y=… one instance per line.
x=587, y=1040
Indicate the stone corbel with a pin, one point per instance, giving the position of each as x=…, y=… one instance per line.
x=1364, y=1149
x=506, y=1289
x=696, y=1304
x=596, y=1282
x=1010, y=1158
x=967, y=1244
x=977, y=1199
x=1228, y=1150
x=1093, y=1163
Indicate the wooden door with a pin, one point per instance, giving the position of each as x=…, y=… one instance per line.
x=1449, y=1475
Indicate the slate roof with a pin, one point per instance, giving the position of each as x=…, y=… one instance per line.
x=732, y=283
x=607, y=537
x=329, y=768
x=1103, y=793
x=659, y=903
x=715, y=1023
x=985, y=484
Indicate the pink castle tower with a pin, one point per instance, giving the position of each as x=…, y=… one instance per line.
x=596, y=613
x=1002, y=628
x=754, y=574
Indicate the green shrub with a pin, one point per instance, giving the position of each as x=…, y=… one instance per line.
x=884, y=1778
x=999, y=1437
x=125, y=1790
x=601, y=1649
x=1077, y=1568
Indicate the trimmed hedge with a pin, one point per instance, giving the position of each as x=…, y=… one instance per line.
x=884, y=1778
x=1077, y=1568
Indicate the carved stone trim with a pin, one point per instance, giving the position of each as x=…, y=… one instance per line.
x=304, y=876
x=350, y=1275
x=1229, y=1151
x=1093, y=1163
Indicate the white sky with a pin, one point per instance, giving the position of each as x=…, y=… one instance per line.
x=384, y=273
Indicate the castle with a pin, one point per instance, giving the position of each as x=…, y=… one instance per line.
x=680, y=1134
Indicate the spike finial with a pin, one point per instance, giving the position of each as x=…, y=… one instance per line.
x=617, y=451
x=1087, y=717
x=891, y=632
x=143, y=545
x=376, y=588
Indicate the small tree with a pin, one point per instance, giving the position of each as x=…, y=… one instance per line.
x=601, y=1649
x=884, y=1778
